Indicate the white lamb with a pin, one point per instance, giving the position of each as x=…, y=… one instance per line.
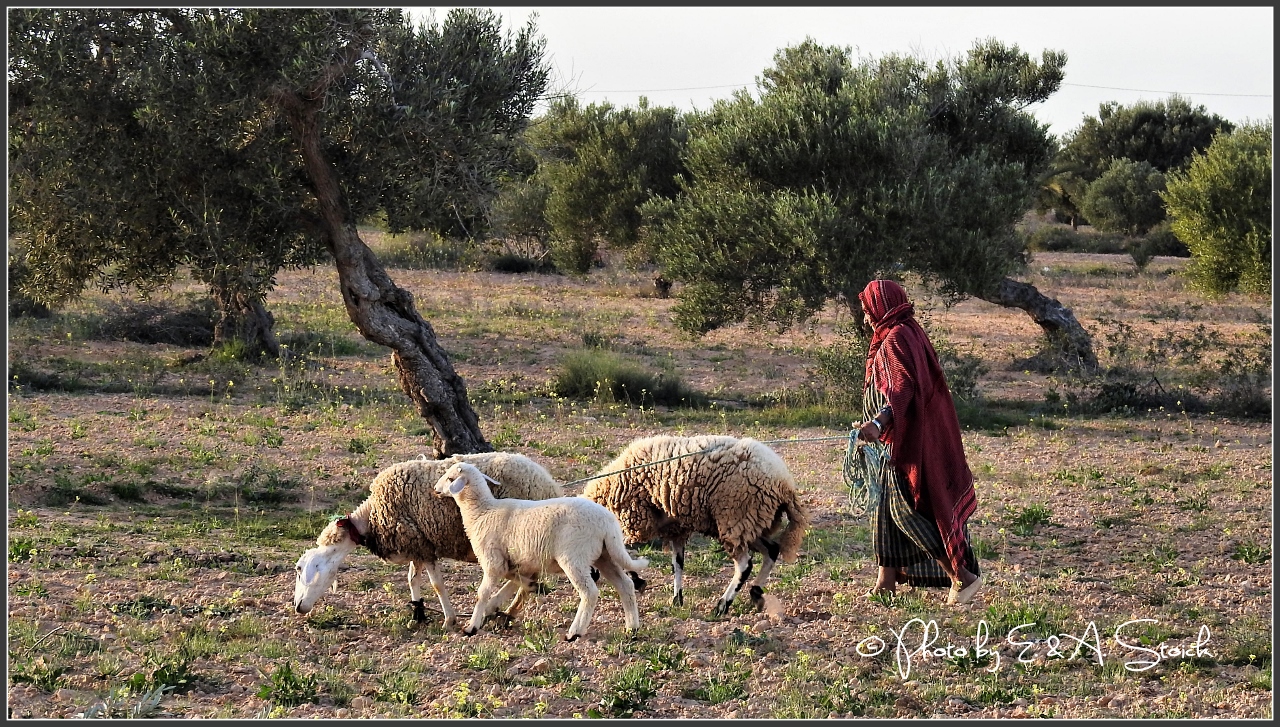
x=737, y=492
x=404, y=521
x=517, y=540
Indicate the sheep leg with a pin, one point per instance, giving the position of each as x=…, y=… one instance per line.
x=742, y=567
x=526, y=586
x=677, y=566
x=501, y=596
x=768, y=549
x=416, y=570
x=626, y=592
x=588, y=596
x=484, y=603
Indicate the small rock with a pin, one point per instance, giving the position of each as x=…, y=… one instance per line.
x=541, y=666
x=360, y=702
x=1020, y=702
x=761, y=625
x=1104, y=700
x=697, y=661
x=342, y=713
x=1048, y=700
x=64, y=695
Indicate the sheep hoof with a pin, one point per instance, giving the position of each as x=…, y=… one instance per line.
x=468, y=631
x=419, y=611
x=757, y=597
x=637, y=581
x=721, y=609
x=678, y=599
x=568, y=638
x=450, y=623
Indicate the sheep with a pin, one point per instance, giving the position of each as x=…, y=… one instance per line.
x=516, y=540
x=737, y=493
x=403, y=520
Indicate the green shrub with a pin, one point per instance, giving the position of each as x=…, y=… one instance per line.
x=424, y=251
x=287, y=688
x=627, y=691
x=1051, y=238
x=602, y=375
x=1162, y=241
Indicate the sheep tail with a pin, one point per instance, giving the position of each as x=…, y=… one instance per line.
x=618, y=553
x=793, y=535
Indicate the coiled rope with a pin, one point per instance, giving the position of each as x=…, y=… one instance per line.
x=863, y=465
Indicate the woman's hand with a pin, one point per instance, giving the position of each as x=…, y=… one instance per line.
x=869, y=431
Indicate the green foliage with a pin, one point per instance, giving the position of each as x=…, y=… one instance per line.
x=603, y=375
x=626, y=691
x=1221, y=208
x=1165, y=134
x=842, y=365
x=841, y=171
x=519, y=224
x=1023, y=521
x=1051, y=238
x=1125, y=198
x=1252, y=553
x=598, y=165
x=192, y=120
x=287, y=688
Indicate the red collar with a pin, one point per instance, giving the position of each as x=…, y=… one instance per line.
x=344, y=523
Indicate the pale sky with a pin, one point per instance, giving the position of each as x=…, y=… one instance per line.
x=688, y=57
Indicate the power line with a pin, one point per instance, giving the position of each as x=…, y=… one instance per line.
x=1182, y=93
x=1080, y=85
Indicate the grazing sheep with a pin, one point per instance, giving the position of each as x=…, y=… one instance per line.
x=403, y=520
x=737, y=493
x=516, y=540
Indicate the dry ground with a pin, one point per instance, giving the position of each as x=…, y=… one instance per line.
x=212, y=477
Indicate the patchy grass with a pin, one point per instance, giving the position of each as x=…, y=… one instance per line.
x=159, y=496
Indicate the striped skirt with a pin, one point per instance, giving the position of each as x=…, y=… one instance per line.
x=901, y=537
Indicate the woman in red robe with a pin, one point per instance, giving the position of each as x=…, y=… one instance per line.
x=919, y=527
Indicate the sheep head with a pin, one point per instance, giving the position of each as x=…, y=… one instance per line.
x=459, y=476
x=317, y=569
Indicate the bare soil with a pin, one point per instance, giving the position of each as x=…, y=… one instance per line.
x=1155, y=515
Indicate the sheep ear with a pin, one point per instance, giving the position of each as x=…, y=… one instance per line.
x=456, y=486
x=491, y=480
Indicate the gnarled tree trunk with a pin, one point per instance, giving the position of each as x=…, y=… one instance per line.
x=242, y=316
x=383, y=313
x=1059, y=323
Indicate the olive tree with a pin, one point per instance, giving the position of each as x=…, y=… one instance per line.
x=1221, y=209
x=1126, y=198
x=307, y=120
x=599, y=164
x=841, y=172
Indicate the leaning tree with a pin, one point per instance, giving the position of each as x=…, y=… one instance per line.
x=324, y=117
x=842, y=172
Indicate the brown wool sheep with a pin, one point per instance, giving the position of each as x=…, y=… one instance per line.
x=737, y=492
x=404, y=521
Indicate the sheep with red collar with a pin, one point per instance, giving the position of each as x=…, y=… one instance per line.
x=734, y=490
x=404, y=521
x=516, y=540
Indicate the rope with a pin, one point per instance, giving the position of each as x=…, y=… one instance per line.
x=701, y=451
x=638, y=466
x=863, y=464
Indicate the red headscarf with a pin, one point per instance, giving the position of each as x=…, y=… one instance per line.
x=924, y=430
